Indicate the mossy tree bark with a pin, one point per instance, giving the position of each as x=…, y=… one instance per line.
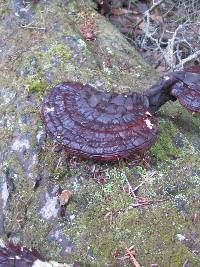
x=43, y=44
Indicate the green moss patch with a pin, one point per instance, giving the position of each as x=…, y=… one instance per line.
x=61, y=51
x=165, y=149
x=35, y=84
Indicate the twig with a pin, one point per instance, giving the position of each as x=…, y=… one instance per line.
x=169, y=56
x=137, y=187
x=187, y=59
x=33, y=27
x=58, y=164
x=130, y=253
x=130, y=189
x=148, y=11
x=139, y=203
x=145, y=202
x=111, y=215
x=185, y=263
x=168, y=53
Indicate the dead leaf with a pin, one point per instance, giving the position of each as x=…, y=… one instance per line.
x=64, y=197
x=156, y=18
x=142, y=25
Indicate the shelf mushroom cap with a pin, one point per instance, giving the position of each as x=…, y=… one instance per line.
x=98, y=125
x=16, y=255
x=187, y=90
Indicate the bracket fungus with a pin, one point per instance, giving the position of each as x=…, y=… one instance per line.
x=97, y=125
x=18, y=256
x=187, y=90
x=109, y=126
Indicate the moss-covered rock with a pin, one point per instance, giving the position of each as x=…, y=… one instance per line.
x=100, y=219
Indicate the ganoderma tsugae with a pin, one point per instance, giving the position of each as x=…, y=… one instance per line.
x=111, y=126
x=12, y=255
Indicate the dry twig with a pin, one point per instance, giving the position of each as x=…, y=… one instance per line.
x=178, y=39
x=130, y=254
x=131, y=191
x=185, y=263
x=33, y=27
x=155, y=4
x=188, y=59
x=144, y=202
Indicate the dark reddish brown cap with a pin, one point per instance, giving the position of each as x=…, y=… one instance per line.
x=98, y=125
x=17, y=256
x=187, y=90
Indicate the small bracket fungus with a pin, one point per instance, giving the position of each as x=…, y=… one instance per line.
x=110, y=126
x=16, y=255
x=187, y=90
